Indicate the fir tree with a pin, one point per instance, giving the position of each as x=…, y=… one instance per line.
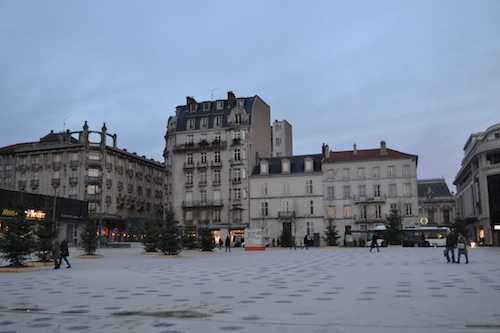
x=17, y=241
x=89, y=237
x=45, y=233
x=331, y=235
x=151, y=235
x=393, y=228
x=169, y=240
x=206, y=238
x=189, y=238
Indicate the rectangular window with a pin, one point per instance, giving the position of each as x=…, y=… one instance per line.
x=189, y=178
x=237, y=119
x=363, y=212
x=189, y=158
x=190, y=139
x=346, y=173
x=237, y=154
x=264, y=189
x=311, y=207
x=237, y=194
x=237, y=175
x=203, y=177
x=204, y=122
x=206, y=106
x=217, y=177
x=203, y=196
x=390, y=171
x=406, y=171
x=331, y=211
x=93, y=172
x=347, y=211
x=310, y=228
x=217, y=215
x=93, y=189
x=190, y=124
x=376, y=190
x=347, y=192
x=309, y=186
x=408, y=209
x=220, y=105
x=265, y=208
x=376, y=172
x=378, y=211
x=278, y=142
x=407, y=189
x=362, y=191
x=217, y=157
x=394, y=206
x=330, y=192
x=361, y=173
x=203, y=158
x=393, y=190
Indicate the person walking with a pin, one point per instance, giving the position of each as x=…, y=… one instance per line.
x=56, y=254
x=64, y=253
x=462, y=248
x=221, y=242
x=451, y=242
x=228, y=243
x=374, y=243
x=306, y=242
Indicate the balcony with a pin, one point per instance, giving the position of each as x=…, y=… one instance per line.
x=188, y=165
x=215, y=164
x=236, y=181
x=201, y=165
x=94, y=197
x=93, y=179
x=202, y=183
x=201, y=203
x=236, y=142
x=188, y=185
x=216, y=183
x=95, y=163
x=286, y=215
x=201, y=146
x=236, y=161
x=359, y=200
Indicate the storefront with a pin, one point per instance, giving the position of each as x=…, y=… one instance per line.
x=69, y=214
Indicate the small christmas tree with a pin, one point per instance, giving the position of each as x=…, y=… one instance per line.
x=169, y=240
x=89, y=237
x=206, y=239
x=393, y=228
x=45, y=233
x=17, y=241
x=331, y=235
x=189, y=238
x=151, y=235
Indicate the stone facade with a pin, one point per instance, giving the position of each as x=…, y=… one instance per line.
x=120, y=187
x=282, y=138
x=211, y=147
x=286, y=192
x=478, y=186
x=436, y=202
x=361, y=186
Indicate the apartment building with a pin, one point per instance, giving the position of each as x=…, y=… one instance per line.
x=478, y=186
x=210, y=149
x=122, y=188
x=282, y=139
x=361, y=186
x=286, y=198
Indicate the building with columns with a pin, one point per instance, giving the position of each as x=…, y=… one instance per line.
x=122, y=189
x=478, y=186
x=210, y=150
x=362, y=186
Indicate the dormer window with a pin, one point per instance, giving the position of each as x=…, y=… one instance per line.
x=206, y=106
x=241, y=102
x=264, y=167
x=220, y=105
x=285, y=166
x=192, y=107
x=308, y=165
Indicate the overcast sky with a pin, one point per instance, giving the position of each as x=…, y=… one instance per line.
x=421, y=75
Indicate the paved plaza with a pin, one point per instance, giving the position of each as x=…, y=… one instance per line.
x=316, y=290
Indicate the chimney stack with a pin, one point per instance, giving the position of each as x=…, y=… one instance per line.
x=383, y=148
x=231, y=99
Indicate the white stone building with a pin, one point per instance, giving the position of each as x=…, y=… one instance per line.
x=361, y=186
x=282, y=138
x=286, y=194
x=211, y=147
x=123, y=189
x=478, y=186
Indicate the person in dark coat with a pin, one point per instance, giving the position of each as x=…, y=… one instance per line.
x=221, y=242
x=64, y=253
x=451, y=243
x=228, y=243
x=374, y=243
x=56, y=254
x=306, y=242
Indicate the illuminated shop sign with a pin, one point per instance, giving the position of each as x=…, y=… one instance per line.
x=29, y=213
x=496, y=227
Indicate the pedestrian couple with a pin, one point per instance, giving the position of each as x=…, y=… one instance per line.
x=60, y=252
x=453, y=241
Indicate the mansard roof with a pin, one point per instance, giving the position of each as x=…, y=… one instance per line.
x=297, y=164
